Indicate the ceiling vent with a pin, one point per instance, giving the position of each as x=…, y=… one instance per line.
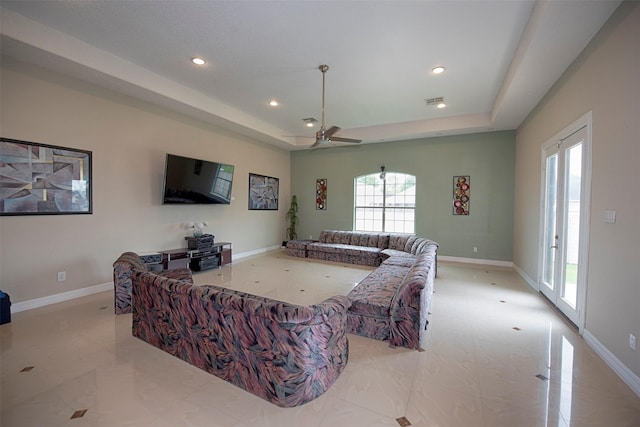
x=434, y=101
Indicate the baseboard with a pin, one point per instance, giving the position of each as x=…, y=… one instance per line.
x=475, y=261
x=78, y=293
x=256, y=252
x=526, y=278
x=64, y=296
x=631, y=379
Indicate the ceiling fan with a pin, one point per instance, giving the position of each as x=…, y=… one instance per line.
x=324, y=135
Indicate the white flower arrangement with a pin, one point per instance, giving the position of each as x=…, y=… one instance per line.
x=197, y=227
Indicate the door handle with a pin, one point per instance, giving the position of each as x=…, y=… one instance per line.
x=554, y=247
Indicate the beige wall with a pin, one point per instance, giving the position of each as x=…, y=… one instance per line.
x=605, y=79
x=129, y=141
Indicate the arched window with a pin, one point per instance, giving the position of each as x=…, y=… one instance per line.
x=385, y=202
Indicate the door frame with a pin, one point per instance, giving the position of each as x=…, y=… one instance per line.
x=585, y=121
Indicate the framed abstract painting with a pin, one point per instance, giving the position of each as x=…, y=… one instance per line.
x=263, y=192
x=42, y=179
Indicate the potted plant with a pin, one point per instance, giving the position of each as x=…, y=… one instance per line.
x=292, y=217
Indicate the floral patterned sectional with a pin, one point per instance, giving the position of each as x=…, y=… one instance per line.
x=392, y=302
x=284, y=353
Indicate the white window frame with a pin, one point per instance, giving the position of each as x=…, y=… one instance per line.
x=373, y=203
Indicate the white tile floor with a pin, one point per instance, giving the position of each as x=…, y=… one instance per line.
x=476, y=369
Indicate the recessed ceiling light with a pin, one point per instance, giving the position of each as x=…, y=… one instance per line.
x=438, y=70
x=309, y=124
x=198, y=61
x=273, y=103
x=441, y=105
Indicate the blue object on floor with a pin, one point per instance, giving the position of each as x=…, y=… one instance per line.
x=5, y=308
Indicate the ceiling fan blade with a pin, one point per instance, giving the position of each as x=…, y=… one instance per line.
x=329, y=132
x=341, y=139
x=315, y=144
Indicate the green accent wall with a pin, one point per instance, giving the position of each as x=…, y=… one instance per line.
x=487, y=157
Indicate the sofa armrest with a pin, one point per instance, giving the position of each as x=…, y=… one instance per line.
x=409, y=307
x=334, y=306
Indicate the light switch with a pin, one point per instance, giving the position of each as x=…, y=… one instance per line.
x=609, y=217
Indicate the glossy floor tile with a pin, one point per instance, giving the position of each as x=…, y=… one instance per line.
x=496, y=355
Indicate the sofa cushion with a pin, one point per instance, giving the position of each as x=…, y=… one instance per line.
x=383, y=241
x=373, y=295
x=362, y=239
x=409, y=243
x=388, y=253
x=418, y=245
x=334, y=236
x=354, y=239
x=337, y=248
x=401, y=261
x=398, y=241
x=298, y=244
x=343, y=237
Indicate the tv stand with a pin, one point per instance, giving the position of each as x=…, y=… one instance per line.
x=216, y=255
x=201, y=254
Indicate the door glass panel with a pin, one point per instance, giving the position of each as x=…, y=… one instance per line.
x=563, y=246
x=572, y=201
x=550, y=243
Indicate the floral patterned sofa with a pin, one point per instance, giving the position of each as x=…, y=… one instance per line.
x=122, y=269
x=284, y=353
x=355, y=247
x=392, y=302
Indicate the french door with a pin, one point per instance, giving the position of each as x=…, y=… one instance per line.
x=565, y=218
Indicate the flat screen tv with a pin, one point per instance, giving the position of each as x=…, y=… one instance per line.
x=195, y=181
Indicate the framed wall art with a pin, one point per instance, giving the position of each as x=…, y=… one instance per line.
x=42, y=179
x=263, y=192
x=461, y=194
x=321, y=194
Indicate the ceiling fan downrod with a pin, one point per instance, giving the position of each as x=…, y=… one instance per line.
x=323, y=68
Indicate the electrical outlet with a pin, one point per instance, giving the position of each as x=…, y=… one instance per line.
x=475, y=249
x=632, y=342
x=62, y=276
x=310, y=237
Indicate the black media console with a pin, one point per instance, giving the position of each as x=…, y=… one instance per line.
x=202, y=253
